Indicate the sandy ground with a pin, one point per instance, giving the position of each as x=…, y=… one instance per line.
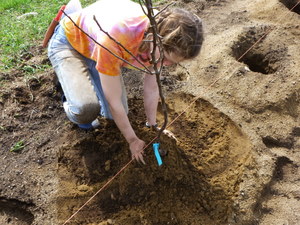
x=236, y=160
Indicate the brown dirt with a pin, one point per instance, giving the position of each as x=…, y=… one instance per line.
x=236, y=160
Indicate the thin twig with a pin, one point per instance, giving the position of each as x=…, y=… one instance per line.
x=164, y=8
x=142, y=2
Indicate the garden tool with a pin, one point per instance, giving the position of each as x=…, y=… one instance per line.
x=52, y=26
x=159, y=153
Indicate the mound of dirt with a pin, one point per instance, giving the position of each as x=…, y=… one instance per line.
x=234, y=112
x=197, y=182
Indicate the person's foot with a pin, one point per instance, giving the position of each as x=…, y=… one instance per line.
x=90, y=126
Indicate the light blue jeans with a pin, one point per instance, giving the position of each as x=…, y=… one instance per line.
x=80, y=81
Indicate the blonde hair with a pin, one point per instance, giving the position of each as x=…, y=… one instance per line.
x=181, y=32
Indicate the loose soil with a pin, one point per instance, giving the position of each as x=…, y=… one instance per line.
x=236, y=158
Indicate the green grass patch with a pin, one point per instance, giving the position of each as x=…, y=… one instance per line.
x=20, y=145
x=19, y=34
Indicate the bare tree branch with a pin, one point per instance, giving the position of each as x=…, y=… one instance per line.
x=156, y=41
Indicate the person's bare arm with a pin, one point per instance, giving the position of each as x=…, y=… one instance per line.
x=113, y=92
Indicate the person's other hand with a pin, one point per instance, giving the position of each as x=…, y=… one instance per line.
x=137, y=150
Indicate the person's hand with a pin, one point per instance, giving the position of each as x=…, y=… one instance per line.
x=137, y=150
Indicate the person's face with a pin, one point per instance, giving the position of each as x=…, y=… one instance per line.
x=171, y=58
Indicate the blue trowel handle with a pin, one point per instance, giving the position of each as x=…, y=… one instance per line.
x=156, y=152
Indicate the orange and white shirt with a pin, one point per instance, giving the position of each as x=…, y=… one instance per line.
x=124, y=20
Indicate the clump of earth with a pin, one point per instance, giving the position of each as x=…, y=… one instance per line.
x=235, y=117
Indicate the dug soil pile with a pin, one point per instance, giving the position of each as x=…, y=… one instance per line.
x=236, y=158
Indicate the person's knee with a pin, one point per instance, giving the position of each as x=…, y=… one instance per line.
x=84, y=113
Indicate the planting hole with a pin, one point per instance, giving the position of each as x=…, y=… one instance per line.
x=290, y=4
x=261, y=58
x=15, y=212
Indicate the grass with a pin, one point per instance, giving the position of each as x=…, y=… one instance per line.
x=19, y=35
x=18, y=146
